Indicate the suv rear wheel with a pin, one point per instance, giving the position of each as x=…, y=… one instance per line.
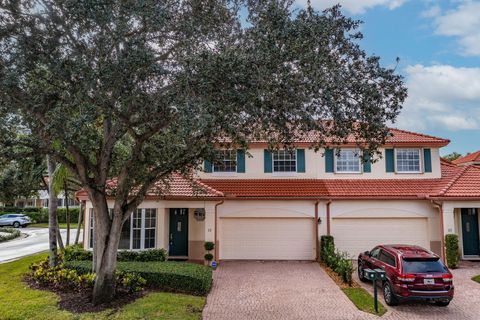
x=361, y=275
x=16, y=224
x=388, y=294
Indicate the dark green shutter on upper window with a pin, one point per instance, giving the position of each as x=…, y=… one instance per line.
x=427, y=160
x=390, y=160
x=300, y=160
x=241, y=161
x=329, y=161
x=367, y=164
x=207, y=166
x=267, y=161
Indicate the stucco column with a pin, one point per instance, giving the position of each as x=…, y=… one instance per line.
x=448, y=219
x=210, y=223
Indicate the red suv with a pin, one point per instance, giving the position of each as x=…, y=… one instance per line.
x=413, y=273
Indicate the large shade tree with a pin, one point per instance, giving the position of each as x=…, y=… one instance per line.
x=139, y=89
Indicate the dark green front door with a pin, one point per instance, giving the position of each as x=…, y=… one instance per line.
x=471, y=242
x=178, y=232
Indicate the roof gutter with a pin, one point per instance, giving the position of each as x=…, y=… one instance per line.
x=215, y=231
x=439, y=206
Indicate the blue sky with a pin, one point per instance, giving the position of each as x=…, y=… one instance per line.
x=438, y=43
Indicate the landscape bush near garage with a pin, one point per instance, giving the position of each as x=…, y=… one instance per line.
x=338, y=261
x=8, y=234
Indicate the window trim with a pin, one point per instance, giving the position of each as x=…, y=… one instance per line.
x=142, y=230
x=226, y=172
x=284, y=173
x=420, y=160
x=360, y=166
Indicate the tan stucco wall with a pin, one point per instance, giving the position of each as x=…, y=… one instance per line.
x=315, y=168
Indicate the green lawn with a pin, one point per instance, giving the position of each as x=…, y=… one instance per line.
x=363, y=300
x=18, y=301
x=73, y=226
x=476, y=278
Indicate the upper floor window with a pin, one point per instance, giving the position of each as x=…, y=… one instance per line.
x=284, y=161
x=407, y=160
x=348, y=161
x=227, y=161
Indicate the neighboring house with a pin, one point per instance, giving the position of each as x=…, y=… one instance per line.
x=275, y=205
x=469, y=159
x=41, y=201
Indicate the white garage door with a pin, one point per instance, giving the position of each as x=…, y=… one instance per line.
x=358, y=235
x=267, y=239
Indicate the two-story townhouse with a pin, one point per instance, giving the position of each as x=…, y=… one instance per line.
x=275, y=205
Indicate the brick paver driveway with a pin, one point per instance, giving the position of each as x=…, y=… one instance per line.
x=276, y=290
x=465, y=304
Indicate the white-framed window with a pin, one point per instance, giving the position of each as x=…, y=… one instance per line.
x=227, y=161
x=348, y=161
x=284, y=161
x=138, y=232
x=408, y=160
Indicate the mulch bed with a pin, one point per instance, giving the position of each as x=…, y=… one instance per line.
x=80, y=301
x=337, y=279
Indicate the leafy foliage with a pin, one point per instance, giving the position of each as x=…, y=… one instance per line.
x=452, y=156
x=77, y=253
x=209, y=245
x=336, y=260
x=11, y=233
x=172, y=276
x=451, y=248
x=40, y=215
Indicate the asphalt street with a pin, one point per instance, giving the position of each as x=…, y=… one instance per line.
x=35, y=241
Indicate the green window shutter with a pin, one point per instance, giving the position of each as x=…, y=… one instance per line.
x=300, y=160
x=367, y=164
x=241, y=161
x=267, y=161
x=390, y=160
x=207, y=166
x=329, y=160
x=427, y=160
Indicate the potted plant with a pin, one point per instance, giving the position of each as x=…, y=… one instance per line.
x=209, y=246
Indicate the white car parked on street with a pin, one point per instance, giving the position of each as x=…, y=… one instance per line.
x=15, y=220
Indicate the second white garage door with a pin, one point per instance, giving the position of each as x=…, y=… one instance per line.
x=358, y=235
x=267, y=239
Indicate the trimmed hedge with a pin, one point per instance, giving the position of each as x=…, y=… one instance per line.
x=327, y=247
x=77, y=253
x=451, y=248
x=40, y=215
x=336, y=260
x=171, y=276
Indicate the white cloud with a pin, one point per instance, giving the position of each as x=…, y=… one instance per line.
x=355, y=6
x=432, y=12
x=441, y=95
x=463, y=23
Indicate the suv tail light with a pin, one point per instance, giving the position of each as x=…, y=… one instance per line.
x=447, y=278
x=407, y=278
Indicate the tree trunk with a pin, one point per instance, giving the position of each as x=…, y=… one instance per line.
x=80, y=220
x=106, y=239
x=67, y=213
x=59, y=238
x=52, y=216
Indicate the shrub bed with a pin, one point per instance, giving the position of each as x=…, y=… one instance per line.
x=9, y=234
x=336, y=260
x=171, y=276
x=61, y=278
x=77, y=253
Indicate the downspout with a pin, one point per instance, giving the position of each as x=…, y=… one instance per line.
x=328, y=216
x=439, y=206
x=215, y=231
x=316, y=229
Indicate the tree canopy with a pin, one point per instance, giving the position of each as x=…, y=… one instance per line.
x=140, y=89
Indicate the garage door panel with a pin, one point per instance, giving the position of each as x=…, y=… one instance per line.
x=267, y=239
x=357, y=235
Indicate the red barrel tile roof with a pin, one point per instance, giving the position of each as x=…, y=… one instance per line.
x=472, y=157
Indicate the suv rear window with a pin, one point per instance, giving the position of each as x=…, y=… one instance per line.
x=423, y=266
